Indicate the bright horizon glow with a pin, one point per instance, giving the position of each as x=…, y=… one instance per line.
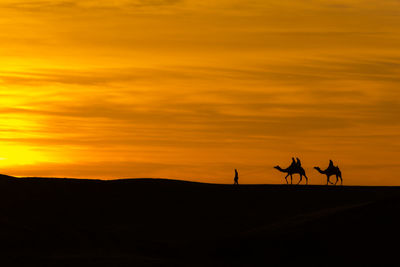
x=192, y=90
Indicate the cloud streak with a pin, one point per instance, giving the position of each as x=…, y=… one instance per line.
x=166, y=87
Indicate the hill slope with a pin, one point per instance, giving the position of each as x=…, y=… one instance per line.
x=147, y=222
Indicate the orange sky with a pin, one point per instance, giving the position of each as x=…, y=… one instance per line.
x=193, y=89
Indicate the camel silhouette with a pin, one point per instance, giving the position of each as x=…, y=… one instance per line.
x=293, y=169
x=331, y=170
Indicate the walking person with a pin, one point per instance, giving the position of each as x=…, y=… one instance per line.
x=236, y=179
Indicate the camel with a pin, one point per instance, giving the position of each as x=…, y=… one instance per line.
x=331, y=170
x=292, y=169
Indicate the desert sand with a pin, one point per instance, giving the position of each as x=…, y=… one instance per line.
x=160, y=222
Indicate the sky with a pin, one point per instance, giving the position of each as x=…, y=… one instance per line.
x=191, y=90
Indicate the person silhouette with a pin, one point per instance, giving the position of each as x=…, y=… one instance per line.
x=330, y=164
x=236, y=179
x=298, y=162
x=294, y=164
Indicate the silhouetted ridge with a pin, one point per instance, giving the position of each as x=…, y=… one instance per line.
x=6, y=177
x=162, y=222
x=155, y=180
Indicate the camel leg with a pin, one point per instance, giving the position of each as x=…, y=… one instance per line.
x=291, y=179
x=301, y=178
x=337, y=179
x=306, y=179
x=328, y=181
x=286, y=179
x=341, y=180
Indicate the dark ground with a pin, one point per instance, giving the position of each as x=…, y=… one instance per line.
x=155, y=222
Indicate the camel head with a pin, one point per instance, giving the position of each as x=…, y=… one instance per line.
x=319, y=170
x=277, y=167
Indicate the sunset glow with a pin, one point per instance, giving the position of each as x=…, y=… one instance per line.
x=192, y=90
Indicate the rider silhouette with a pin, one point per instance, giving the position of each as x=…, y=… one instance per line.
x=294, y=164
x=298, y=163
x=330, y=164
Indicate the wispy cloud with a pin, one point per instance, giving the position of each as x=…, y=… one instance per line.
x=62, y=6
x=169, y=86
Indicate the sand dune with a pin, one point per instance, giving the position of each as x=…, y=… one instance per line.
x=158, y=222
